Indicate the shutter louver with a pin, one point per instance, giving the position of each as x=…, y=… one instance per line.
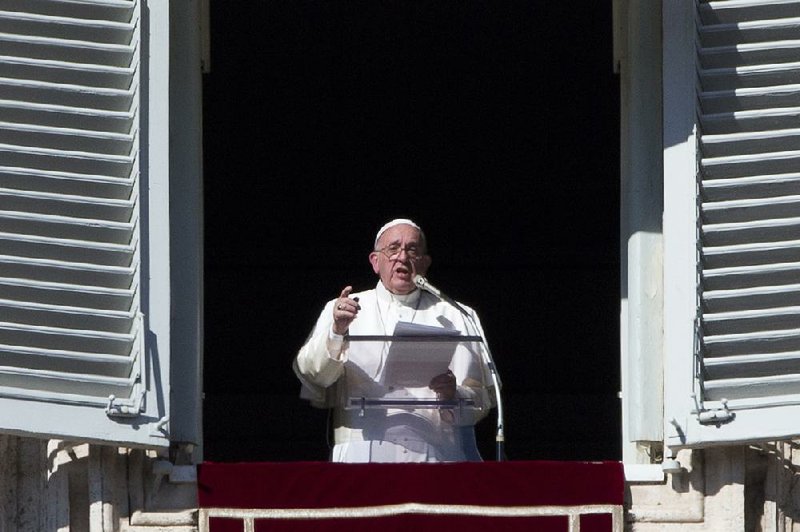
x=749, y=202
x=71, y=329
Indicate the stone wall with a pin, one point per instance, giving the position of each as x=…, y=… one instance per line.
x=736, y=488
x=52, y=485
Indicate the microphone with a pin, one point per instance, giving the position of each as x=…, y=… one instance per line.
x=423, y=284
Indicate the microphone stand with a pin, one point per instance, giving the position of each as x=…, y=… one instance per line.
x=488, y=360
x=499, y=438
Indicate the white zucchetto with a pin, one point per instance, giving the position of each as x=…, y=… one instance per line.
x=396, y=221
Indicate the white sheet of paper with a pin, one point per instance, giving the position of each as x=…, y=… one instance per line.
x=415, y=363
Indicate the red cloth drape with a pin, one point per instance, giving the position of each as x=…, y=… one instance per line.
x=320, y=485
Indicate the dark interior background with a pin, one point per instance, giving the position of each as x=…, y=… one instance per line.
x=493, y=124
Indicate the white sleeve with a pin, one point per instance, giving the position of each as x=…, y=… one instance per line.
x=321, y=359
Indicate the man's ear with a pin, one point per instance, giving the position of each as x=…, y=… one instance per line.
x=423, y=264
x=373, y=259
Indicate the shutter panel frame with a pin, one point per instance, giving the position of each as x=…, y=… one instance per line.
x=85, y=353
x=731, y=280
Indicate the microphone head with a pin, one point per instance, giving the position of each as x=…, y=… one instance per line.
x=420, y=281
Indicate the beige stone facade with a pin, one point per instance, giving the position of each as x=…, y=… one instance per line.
x=725, y=489
x=52, y=485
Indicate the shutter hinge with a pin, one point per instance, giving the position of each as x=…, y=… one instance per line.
x=716, y=416
x=117, y=409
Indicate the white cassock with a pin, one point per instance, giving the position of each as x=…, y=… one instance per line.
x=333, y=370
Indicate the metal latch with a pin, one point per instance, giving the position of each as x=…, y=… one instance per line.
x=716, y=416
x=115, y=408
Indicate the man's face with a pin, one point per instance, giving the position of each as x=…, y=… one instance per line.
x=395, y=265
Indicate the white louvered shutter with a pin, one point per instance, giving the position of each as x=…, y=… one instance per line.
x=746, y=371
x=72, y=335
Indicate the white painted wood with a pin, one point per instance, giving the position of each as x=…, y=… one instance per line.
x=638, y=49
x=79, y=292
x=186, y=225
x=740, y=356
x=158, y=292
x=680, y=232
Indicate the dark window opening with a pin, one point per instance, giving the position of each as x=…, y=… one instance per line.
x=492, y=124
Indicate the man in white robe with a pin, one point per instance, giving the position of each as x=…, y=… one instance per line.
x=334, y=370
